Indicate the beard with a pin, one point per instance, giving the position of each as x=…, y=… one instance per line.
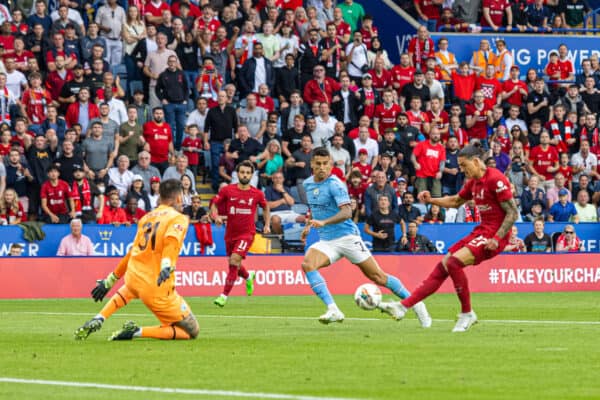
x=244, y=181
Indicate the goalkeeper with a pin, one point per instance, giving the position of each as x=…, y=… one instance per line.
x=148, y=271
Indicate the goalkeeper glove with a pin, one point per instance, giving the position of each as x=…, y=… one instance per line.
x=103, y=286
x=165, y=271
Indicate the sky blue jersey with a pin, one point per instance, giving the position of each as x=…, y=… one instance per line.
x=324, y=200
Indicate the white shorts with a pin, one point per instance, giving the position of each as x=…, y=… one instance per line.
x=351, y=246
x=287, y=216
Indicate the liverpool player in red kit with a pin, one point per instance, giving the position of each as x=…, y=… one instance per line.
x=490, y=190
x=240, y=200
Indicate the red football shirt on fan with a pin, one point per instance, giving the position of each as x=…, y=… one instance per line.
x=566, y=68
x=365, y=170
x=158, y=138
x=211, y=26
x=387, y=116
x=196, y=144
x=463, y=85
x=541, y=160
x=496, y=8
x=358, y=192
x=35, y=102
x=342, y=29
x=21, y=59
x=567, y=172
x=488, y=192
x=417, y=119
x=155, y=10
x=517, y=97
x=402, y=76
x=444, y=121
x=56, y=196
x=265, y=102
x=241, y=207
x=429, y=156
x=367, y=36
x=382, y=81
x=480, y=129
x=353, y=134
x=490, y=88
x=429, y=8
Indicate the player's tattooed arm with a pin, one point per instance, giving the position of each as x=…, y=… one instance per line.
x=512, y=214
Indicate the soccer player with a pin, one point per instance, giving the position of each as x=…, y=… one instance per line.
x=148, y=269
x=331, y=213
x=240, y=200
x=490, y=190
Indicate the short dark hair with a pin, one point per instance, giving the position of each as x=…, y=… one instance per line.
x=474, y=150
x=245, y=163
x=320, y=152
x=170, y=188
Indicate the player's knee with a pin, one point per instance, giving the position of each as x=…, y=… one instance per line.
x=235, y=259
x=194, y=331
x=379, y=278
x=308, y=266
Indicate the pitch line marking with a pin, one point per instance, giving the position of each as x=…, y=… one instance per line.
x=492, y=321
x=200, y=392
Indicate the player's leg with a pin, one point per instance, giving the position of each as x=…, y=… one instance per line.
x=320, y=255
x=236, y=251
x=118, y=300
x=371, y=269
x=455, y=264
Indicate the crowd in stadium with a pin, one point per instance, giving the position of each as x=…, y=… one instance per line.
x=100, y=102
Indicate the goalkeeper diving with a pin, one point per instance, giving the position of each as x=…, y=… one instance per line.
x=148, y=273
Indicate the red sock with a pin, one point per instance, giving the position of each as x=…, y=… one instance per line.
x=230, y=280
x=243, y=272
x=428, y=286
x=461, y=284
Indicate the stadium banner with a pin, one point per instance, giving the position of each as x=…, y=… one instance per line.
x=525, y=55
x=74, y=277
x=114, y=241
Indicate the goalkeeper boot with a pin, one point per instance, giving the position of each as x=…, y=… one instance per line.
x=250, y=284
x=465, y=321
x=422, y=314
x=393, y=308
x=125, y=333
x=220, y=301
x=90, y=326
x=332, y=315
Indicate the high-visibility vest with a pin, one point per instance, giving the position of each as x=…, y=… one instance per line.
x=446, y=61
x=480, y=60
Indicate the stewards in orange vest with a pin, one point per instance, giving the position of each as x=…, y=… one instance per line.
x=445, y=59
x=482, y=57
x=504, y=61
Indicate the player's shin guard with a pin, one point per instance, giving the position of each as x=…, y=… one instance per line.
x=230, y=280
x=429, y=286
x=165, y=333
x=243, y=272
x=396, y=286
x=118, y=300
x=461, y=283
x=319, y=286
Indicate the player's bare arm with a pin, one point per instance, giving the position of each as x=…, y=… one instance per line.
x=512, y=214
x=214, y=215
x=267, y=219
x=454, y=201
x=342, y=215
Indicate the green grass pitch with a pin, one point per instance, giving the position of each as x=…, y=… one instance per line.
x=526, y=346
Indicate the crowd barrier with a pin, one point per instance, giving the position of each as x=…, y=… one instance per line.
x=281, y=275
x=115, y=241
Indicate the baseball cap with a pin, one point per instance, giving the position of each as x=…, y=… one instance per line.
x=367, y=75
x=401, y=179
x=77, y=167
x=563, y=192
x=155, y=179
x=553, y=53
x=137, y=177
x=537, y=203
x=363, y=151
x=514, y=67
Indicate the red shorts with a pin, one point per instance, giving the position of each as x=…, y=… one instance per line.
x=475, y=242
x=238, y=245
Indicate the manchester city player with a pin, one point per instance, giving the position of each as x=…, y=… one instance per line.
x=339, y=237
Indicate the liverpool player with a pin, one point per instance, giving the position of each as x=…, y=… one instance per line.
x=240, y=200
x=490, y=190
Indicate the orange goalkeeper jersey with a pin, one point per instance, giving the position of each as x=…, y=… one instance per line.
x=147, y=251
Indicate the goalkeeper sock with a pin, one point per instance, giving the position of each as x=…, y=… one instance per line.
x=117, y=301
x=230, y=280
x=396, y=287
x=428, y=286
x=164, y=332
x=319, y=286
x=243, y=272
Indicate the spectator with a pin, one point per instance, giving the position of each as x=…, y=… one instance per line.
x=269, y=161
x=379, y=187
x=515, y=244
x=468, y=213
x=82, y=111
x=155, y=64
x=345, y=104
x=287, y=80
x=463, y=80
x=402, y=73
x=120, y=176
x=514, y=92
x=195, y=211
x=420, y=48
x=429, y=158
x=364, y=142
x=520, y=15
x=478, y=115
x=584, y=161
x=563, y=210
x=144, y=169
x=130, y=136
x=11, y=209
x=179, y=169
x=16, y=250
x=255, y=71
x=501, y=159
x=381, y=225
x=133, y=212
x=369, y=97
x=159, y=140
x=482, y=58
x=573, y=13
x=415, y=242
x=55, y=202
x=377, y=52
x=75, y=243
x=280, y=201
x=110, y=19
x=435, y=215
x=544, y=160
x=451, y=169
x=530, y=193
x=320, y=88
x=489, y=86
x=537, y=16
x=568, y=241
x=559, y=184
x=298, y=165
x=82, y=194
x=591, y=95
x=407, y=211
x=173, y=92
x=325, y=126
x=357, y=57
x=538, y=241
x=310, y=55
x=113, y=213
x=98, y=153
x=416, y=88
x=154, y=194
x=586, y=212
x=493, y=14
x=253, y=117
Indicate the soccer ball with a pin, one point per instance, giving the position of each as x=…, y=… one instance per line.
x=367, y=296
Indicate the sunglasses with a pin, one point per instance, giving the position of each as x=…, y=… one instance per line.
x=569, y=232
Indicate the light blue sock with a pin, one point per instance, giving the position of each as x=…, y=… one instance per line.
x=318, y=285
x=396, y=287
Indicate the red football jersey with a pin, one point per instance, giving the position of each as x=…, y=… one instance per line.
x=240, y=206
x=402, y=75
x=567, y=172
x=387, y=116
x=429, y=156
x=365, y=170
x=382, y=81
x=488, y=192
x=158, y=138
x=193, y=156
x=480, y=129
x=358, y=192
x=496, y=9
x=417, y=119
x=490, y=88
x=517, y=97
x=543, y=159
x=56, y=196
x=442, y=121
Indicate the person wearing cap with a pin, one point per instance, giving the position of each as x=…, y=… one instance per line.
x=75, y=243
x=138, y=191
x=563, y=210
x=320, y=88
